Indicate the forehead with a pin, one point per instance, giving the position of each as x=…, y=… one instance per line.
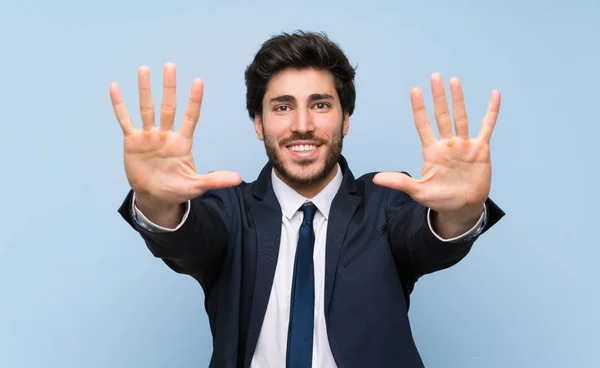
x=301, y=83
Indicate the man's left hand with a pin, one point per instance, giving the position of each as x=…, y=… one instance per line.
x=457, y=171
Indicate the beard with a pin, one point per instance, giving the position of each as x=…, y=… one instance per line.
x=334, y=152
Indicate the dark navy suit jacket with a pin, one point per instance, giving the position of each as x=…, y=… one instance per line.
x=378, y=245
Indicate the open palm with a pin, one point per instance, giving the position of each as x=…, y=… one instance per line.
x=158, y=160
x=457, y=169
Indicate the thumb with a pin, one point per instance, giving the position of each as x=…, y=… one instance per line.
x=397, y=180
x=218, y=180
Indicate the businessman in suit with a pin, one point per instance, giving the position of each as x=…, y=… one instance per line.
x=307, y=266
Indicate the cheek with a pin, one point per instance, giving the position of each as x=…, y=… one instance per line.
x=328, y=126
x=272, y=138
x=271, y=127
x=276, y=135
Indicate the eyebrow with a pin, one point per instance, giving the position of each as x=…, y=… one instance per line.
x=313, y=97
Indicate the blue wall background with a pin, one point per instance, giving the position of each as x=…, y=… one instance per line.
x=78, y=288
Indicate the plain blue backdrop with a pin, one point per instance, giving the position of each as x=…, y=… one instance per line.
x=78, y=288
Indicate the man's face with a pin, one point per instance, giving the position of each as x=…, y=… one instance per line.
x=302, y=125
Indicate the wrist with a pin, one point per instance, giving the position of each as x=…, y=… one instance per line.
x=158, y=211
x=455, y=223
x=466, y=216
x=149, y=202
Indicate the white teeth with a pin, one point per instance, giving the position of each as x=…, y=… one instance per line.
x=303, y=148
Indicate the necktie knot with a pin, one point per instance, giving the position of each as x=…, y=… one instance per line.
x=309, y=211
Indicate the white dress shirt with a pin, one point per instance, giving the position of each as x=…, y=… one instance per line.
x=272, y=342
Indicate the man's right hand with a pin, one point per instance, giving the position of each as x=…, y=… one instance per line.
x=158, y=160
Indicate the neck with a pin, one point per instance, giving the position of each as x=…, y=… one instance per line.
x=309, y=189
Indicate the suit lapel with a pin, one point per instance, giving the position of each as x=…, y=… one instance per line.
x=343, y=207
x=266, y=212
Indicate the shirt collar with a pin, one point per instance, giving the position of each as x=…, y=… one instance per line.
x=291, y=201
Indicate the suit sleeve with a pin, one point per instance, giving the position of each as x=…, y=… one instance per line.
x=417, y=250
x=197, y=247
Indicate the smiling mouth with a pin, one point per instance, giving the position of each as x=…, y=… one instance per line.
x=302, y=147
x=303, y=150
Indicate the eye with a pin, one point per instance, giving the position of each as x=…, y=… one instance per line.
x=282, y=108
x=321, y=105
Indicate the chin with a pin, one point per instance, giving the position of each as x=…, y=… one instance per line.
x=305, y=171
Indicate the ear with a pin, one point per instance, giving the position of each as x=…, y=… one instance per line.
x=346, y=124
x=258, y=127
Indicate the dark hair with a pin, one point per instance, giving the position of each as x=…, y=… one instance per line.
x=298, y=50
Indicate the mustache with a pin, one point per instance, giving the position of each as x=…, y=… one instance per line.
x=303, y=137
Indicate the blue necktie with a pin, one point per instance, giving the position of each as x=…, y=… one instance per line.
x=300, y=332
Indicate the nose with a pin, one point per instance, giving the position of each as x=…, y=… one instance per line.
x=303, y=121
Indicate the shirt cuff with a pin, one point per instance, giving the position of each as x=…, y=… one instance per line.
x=148, y=225
x=470, y=234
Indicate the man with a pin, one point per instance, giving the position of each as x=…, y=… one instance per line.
x=306, y=266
